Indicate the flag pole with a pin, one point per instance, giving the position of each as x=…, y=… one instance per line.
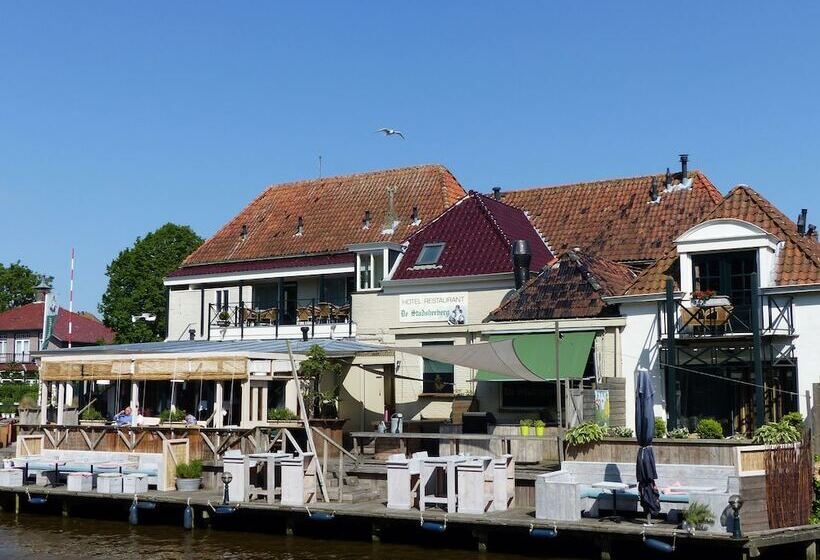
x=558, y=392
x=71, y=299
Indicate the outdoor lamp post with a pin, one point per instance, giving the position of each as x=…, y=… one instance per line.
x=226, y=480
x=736, y=502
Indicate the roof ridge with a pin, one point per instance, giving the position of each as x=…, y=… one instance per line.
x=491, y=217
x=766, y=207
x=358, y=174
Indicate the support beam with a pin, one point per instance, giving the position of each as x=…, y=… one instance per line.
x=43, y=402
x=246, y=403
x=219, y=398
x=671, y=356
x=135, y=402
x=60, y=403
x=757, y=354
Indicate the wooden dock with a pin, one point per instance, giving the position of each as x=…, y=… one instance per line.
x=493, y=531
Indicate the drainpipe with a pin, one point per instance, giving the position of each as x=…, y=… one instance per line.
x=760, y=406
x=671, y=356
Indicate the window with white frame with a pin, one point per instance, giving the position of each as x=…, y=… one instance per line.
x=3, y=348
x=430, y=254
x=371, y=270
x=22, y=349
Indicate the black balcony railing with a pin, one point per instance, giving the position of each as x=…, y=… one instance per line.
x=302, y=312
x=16, y=358
x=719, y=317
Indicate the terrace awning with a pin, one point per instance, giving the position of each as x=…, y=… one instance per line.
x=145, y=369
x=516, y=357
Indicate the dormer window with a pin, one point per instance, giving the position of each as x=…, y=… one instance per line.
x=430, y=254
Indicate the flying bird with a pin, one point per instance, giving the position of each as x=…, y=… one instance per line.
x=391, y=132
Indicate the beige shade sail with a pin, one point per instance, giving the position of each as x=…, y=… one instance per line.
x=79, y=370
x=146, y=369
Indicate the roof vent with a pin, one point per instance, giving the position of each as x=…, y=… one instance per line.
x=653, y=192
x=366, y=220
x=300, y=226
x=521, y=257
x=801, y=221
x=684, y=167
x=668, y=180
x=812, y=231
x=244, y=232
x=497, y=193
x=414, y=216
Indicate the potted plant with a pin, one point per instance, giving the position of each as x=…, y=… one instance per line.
x=92, y=417
x=709, y=428
x=223, y=319
x=699, y=516
x=539, y=427
x=524, y=425
x=283, y=417
x=189, y=476
x=175, y=416
x=584, y=433
x=700, y=297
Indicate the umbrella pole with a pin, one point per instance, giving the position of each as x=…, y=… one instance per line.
x=558, y=392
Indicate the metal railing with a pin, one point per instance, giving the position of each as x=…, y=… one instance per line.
x=300, y=312
x=702, y=320
x=16, y=358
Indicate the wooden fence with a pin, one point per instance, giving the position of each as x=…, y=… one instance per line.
x=789, y=485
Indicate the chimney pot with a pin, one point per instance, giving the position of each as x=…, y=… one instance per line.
x=521, y=257
x=684, y=167
x=366, y=221
x=191, y=334
x=654, y=189
x=305, y=331
x=244, y=232
x=801, y=221
x=300, y=226
x=414, y=217
x=497, y=193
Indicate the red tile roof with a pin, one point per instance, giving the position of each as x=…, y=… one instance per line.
x=477, y=233
x=615, y=218
x=798, y=261
x=332, y=210
x=30, y=318
x=570, y=288
x=265, y=264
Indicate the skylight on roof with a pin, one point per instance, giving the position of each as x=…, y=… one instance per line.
x=430, y=253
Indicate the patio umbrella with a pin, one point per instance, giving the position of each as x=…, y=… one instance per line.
x=645, y=431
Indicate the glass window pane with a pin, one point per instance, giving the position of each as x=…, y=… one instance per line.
x=430, y=253
x=364, y=271
x=378, y=269
x=438, y=376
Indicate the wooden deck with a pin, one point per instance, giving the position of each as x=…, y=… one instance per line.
x=492, y=527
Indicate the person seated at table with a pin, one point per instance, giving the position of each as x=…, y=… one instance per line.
x=123, y=417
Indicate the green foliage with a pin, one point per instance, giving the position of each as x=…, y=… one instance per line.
x=281, y=414
x=699, y=514
x=91, y=414
x=17, y=282
x=795, y=419
x=584, y=434
x=776, y=432
x=660, y=427
x=525, y=422
x=17, y=394
x=190, y=470
x=814, y=518
x=172, y=416
x=313, y=371
x=619, y=431
x=135, y=283
x=678, y=433
x=539, y=423
x=709, y=428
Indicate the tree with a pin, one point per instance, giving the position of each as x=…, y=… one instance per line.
x=17, y=282
x=313, y=374
x=135, y=282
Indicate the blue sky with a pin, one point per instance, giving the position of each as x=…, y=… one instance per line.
x=116, y=117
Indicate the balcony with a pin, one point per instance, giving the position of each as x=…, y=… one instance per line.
x=16, y=358
x=719, y=318
x=321, y=319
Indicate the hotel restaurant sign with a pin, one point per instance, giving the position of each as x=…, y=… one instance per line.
x=448, y=307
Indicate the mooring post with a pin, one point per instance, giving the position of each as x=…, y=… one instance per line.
x=605, y=545
x=811, y=551
x=289, y=526
x=66, y=508
x=481, y=537
x=375, y=532
x=16, y=504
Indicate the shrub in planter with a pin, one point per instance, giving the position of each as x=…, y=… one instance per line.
x=91, y=414
x=524, y=426
x=619, y=431
x=189, y=476
x=281, y=414
x=795, y=419
x=539, y=427
x=776, y=432
x=584, y=434
x=699, y=516
x=678, y=433
x=709, y=428
x=177, y=415
x=660, y=427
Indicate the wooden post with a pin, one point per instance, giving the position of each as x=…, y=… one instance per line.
x=135, y=402
x=558, y=374
x=60, y=403
x=219, y=398
x=246, y=403
x=671, y=356
x=757, y=354
x=43, y=402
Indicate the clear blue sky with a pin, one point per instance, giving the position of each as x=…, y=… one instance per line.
x=117, y=117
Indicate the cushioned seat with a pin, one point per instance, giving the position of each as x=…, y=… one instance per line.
x=148, y=470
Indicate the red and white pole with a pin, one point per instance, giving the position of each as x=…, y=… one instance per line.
x=71, y=299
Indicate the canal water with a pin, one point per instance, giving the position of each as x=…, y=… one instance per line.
x=31, y=537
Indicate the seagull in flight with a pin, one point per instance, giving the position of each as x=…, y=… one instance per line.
x=391, y=132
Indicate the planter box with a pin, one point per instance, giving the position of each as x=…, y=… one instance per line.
x=80, y=482
x=109, y=483
x=93, y=423
x=188, y=484
x=289, y=424
x=667, y=451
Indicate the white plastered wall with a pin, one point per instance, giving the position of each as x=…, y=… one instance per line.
x=807, y=343
x=639, y=343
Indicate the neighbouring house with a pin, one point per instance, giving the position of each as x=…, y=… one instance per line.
x=726, y=320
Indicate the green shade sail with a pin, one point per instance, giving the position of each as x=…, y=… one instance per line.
x=537, y=353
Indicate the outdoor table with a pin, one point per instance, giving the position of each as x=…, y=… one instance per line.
x=613, y=487
x=269, y=460
x=430, y=468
